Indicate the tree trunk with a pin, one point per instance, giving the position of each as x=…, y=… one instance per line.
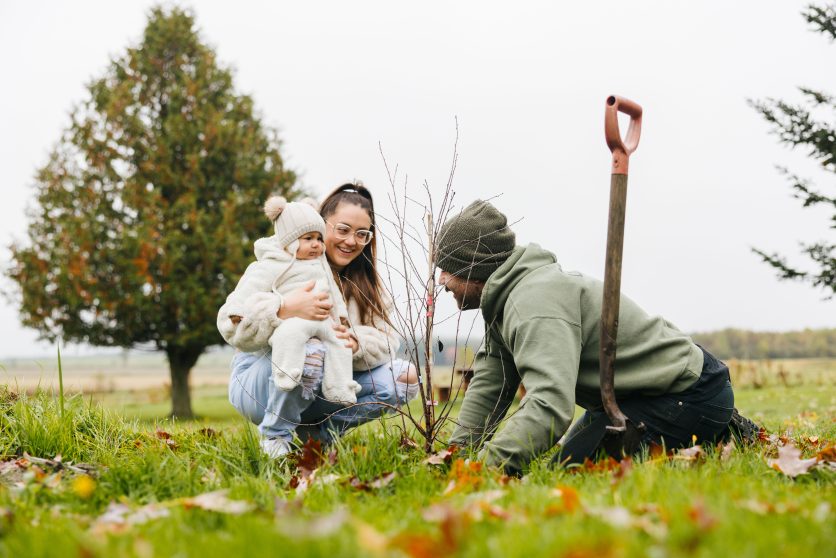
x=180, y=363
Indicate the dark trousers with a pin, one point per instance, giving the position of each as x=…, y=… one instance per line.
x=672, y=420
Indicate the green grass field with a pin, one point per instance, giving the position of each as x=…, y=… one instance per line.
x=131, y=483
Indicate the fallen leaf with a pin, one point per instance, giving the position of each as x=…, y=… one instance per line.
x=166, y=437
x=217, y=501
x=602, y=465
x=409, y=443
x=452, y=526
x=505, y=480
x=315, y=528
x=443, y=456
x=309, y=458
x=789, y=461
x=369, y=538
x=700, y=517
x=463, y=475
x=569, y=501
x=616, y=516
x=118, y=516
x=827, y=454
x=726, y=450
x=382, y=480
x=658, y=453
x=694, y=453
x=332, y=456
x=765, y=508
x=623, y=470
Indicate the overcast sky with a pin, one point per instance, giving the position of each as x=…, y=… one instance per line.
x=527, y=82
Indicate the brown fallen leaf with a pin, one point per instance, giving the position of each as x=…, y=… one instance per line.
x=408, y=443
x=309, y=458
x=726, y=450
x=623, y=470
x=789, y=461
x=442, y=457
x=694, y=453
x=453, y=525
x=166, y=437
x=827, y=454
x=601, y=466
x=700, y=517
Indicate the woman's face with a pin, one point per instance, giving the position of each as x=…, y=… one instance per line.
x=341, y=252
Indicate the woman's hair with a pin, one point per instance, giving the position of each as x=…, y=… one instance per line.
x=359, y=280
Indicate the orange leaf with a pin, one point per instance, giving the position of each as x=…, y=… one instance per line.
x=464, y=475
x=569, y=501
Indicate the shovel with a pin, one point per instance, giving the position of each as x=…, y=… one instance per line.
x=623, y=437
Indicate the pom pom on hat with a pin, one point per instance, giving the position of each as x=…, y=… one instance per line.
x=293, y=219
x=274, y=206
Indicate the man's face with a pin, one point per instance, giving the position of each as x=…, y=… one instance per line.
x=467, y=293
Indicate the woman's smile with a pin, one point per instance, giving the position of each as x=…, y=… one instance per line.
x=342, y=252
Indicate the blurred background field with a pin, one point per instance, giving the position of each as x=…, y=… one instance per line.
x=137, y=385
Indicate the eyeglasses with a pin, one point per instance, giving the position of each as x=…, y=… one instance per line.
x=343, y=231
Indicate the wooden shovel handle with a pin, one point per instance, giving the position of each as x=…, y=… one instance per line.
x=621, y=149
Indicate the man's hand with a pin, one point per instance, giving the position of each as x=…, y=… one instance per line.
x=306, y=304
x=350, y=341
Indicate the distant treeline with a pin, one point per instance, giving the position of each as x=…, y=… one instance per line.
x=740, y=343
x=726, y=343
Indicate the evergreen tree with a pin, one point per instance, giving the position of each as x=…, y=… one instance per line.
x=796, y=125
x=149, y=204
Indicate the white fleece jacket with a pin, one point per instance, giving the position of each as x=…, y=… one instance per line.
x=258, y=295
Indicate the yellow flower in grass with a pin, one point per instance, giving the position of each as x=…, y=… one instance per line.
x=84, y=486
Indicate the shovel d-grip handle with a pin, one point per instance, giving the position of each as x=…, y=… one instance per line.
x=621, y=149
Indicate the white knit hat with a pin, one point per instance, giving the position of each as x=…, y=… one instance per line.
x=293, y=219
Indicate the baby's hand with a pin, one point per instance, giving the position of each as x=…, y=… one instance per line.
x=350, y=340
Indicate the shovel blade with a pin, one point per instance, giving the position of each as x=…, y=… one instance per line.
x=625, y=441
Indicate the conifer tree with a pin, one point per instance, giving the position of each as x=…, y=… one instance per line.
x=803, y=126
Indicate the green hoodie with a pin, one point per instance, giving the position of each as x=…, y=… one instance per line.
x=542, y=328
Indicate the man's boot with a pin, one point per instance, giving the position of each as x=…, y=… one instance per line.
x=744, y=431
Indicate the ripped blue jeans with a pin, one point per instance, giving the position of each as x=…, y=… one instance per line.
x=278, y=413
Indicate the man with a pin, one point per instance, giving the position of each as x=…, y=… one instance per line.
x=542, y=329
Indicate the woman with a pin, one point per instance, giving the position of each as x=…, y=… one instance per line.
x=386, y=382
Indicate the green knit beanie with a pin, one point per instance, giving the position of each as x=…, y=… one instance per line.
x=474, y=243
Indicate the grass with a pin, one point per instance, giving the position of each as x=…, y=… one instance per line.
x=659, y=507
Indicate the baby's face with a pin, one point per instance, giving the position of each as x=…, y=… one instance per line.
x=310, y=246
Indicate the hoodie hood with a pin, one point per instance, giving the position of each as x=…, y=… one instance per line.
x=523, y=261
x=268, y=248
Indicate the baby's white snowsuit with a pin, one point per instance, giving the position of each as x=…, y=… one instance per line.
x=257, y=298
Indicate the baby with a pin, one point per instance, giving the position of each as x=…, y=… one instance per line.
x=286, y=261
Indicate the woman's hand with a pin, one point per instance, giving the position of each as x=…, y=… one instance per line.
x=350, y=340
x=306, y=304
